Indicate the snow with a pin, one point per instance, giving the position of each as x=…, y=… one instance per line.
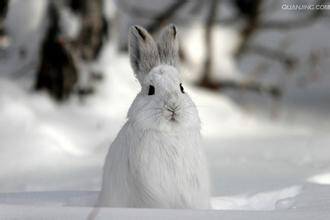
x=261, y=167
x=323, y=179
x=26, y=212
x=279, y=199
x=52, y=155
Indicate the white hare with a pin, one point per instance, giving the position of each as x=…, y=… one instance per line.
x=156, y=161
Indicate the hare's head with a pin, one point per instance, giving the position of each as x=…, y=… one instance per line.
x=162, y=103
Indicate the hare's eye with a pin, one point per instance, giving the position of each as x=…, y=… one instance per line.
x=151, y=90
x=181, y=88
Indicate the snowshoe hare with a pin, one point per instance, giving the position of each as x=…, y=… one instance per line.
x=156, y=161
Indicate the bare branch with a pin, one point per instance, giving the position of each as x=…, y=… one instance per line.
x=273, y=91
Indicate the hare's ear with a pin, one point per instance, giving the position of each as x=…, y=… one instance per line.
x=168, y=46
x=143, y=51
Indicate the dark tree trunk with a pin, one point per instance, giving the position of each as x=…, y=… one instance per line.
x=57, y=71
x=250, y=9
x=60, y=57
x=3, y=13
x=205, y=81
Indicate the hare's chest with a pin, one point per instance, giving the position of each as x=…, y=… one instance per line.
x=170, y=169
x=167, y=150
x=168, y=160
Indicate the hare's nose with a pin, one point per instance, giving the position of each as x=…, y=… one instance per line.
x=172, y=102
x=172, y=107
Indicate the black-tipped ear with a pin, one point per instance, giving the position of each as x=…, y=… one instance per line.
x=174, y=30
x=141, y=32
x=168, y=45
x=143, y=51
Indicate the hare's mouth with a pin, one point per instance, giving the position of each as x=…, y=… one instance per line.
x=173, y=119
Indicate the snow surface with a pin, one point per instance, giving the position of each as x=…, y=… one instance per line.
x=52, y=154
x=23, y=212
x=262, y=167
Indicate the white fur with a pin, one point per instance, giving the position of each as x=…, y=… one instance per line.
x=156, y=161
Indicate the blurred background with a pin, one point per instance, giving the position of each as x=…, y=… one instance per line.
x=258, y=71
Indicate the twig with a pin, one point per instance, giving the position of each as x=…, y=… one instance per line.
x=273, y=91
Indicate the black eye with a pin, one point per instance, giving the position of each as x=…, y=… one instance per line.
x=151, y=90
x=181, y=88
